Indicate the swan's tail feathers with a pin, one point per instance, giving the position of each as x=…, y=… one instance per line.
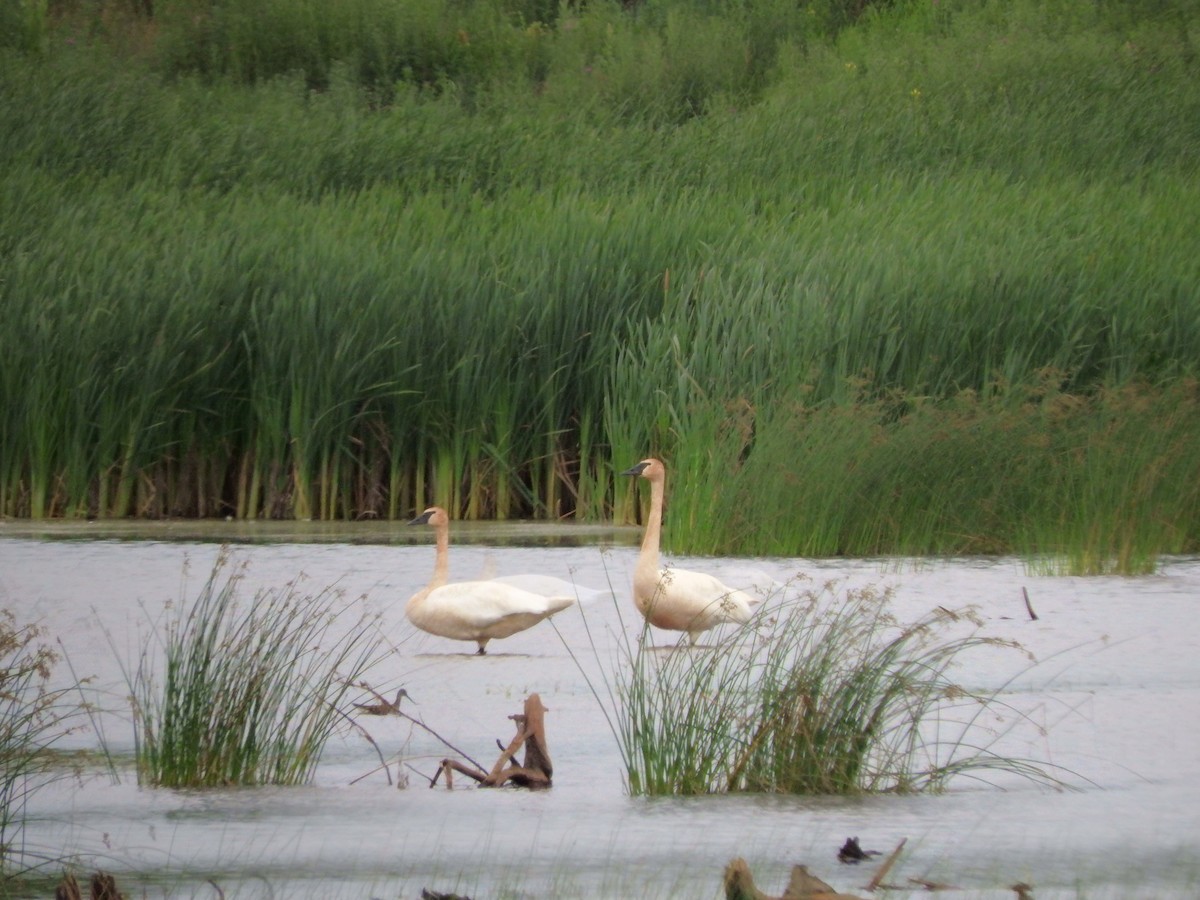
x=558, y=604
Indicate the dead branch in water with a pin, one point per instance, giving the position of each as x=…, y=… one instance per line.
x=1028, y=606
x=887, y=865
x=535, y=770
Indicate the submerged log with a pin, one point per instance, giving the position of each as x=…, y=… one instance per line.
x=535, y=770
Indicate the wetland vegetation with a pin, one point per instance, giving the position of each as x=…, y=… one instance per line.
x=822, y=694
x=249, y=691
x=910, y=277
x=34, y=716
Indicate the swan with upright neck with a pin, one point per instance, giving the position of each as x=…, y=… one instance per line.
x=679, y=599
x=478, y=611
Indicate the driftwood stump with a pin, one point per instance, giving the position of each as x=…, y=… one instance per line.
x=739, y=885
x=103, y=887
x=535, y=770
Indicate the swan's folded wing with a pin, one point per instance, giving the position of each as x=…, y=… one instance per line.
x=482, y=603
x=552, y=586
x=699, y=593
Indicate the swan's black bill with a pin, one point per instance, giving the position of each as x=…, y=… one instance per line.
x=636, y=470
x=423, y=518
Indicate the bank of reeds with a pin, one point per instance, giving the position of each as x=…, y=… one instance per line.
x=269, y=261
x=825, y=693
x=1081, y=483
x=245, y=694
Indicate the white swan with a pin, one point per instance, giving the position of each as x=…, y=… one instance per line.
x=679, y=599
x=473, y=610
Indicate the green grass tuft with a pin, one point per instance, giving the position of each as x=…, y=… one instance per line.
x=246, y=695
x=824, y=693
x=33, y=717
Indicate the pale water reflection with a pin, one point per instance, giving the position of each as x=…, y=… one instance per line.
x=1116, y=696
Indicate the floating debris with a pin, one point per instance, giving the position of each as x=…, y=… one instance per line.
x=427, y=894
x=852, y=853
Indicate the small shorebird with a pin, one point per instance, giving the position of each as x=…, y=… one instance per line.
x=383, y=708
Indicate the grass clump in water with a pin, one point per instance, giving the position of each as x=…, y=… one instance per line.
x=824, y=694
x=247, y=696
x=33, y=717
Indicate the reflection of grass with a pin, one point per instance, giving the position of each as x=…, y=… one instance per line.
x=32, y=718
x=247, y=696
x=829, y=695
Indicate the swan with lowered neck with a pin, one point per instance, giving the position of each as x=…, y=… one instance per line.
x=679, y=599
x=473, y=610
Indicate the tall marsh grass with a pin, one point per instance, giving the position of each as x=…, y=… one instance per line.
x=824, y=693
x=1086, y=484
x=343, y=261
x=246, y=694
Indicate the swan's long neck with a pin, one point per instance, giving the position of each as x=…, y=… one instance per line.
x=441, y=570
x=653, y=534
x=441, y=564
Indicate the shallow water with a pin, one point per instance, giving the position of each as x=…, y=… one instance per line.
x=1116, y=695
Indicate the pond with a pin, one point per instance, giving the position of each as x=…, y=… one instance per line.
x=1113, y=698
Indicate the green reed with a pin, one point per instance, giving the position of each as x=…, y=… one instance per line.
x=1079, y=483
x=823, y=693
x=245, y=694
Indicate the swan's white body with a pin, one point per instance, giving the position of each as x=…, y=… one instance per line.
x=679, y=599
x=473, y=610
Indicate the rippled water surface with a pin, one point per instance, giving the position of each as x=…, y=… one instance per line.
x=1115, y=697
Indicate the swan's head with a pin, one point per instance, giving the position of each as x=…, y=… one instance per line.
x=435, y=515
x=648, y=468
